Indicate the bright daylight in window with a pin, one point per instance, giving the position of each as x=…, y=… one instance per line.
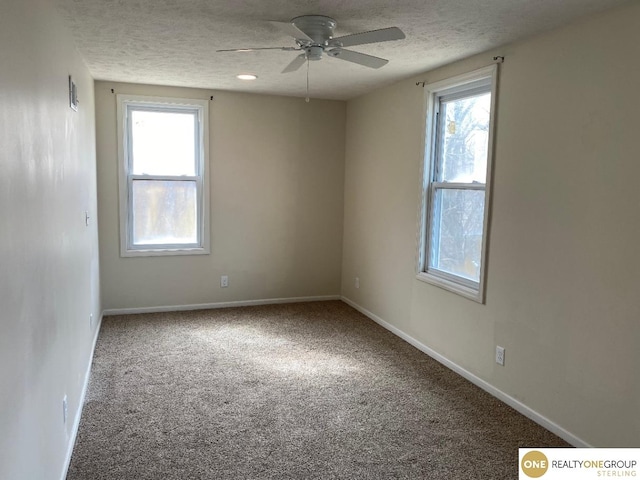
x=457, y=168
x=163, y=188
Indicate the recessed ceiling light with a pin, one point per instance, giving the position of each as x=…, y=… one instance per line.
x=246, y=76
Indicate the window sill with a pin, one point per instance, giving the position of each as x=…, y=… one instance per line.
x=451, y=286
x=164, y=252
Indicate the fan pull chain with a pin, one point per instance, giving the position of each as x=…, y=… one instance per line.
x=307, y=99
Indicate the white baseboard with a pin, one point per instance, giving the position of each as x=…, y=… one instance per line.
x=83, y=394
x=205, y=306
x=487, y=387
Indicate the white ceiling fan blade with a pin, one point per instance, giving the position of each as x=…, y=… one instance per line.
x=290, y=29
x=357, y=57
x=374, y=36
x=287, y=49
x=295, y=64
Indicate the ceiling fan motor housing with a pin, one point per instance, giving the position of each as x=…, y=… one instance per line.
x=317, y=27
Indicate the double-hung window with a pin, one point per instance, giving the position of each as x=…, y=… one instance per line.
x=163, y=182
x=456, y=183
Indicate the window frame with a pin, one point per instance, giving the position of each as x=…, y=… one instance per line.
x=461, y=86
x=200, y=108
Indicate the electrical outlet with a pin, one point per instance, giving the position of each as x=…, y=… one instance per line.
x=64, y=410
x=357, y=283
x=500, y=355
x=224, y=281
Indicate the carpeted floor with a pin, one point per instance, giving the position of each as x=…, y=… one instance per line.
x=298, y=391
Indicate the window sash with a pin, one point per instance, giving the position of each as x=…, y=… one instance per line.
x=479, y=88
x=194, y=111
x=433, y=232
x=164, y=246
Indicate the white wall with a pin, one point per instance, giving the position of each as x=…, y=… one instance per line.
x=49, y=279
x=563, y=284
x=277, y=176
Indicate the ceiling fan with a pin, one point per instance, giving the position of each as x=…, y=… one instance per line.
x=313, y=36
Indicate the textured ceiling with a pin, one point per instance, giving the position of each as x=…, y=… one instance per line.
x=174, y=42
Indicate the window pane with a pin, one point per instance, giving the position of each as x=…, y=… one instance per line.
x=457, y=234
x=465, y=138
x=164, y=212
x=163, y=143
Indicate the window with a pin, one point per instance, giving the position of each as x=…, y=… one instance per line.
x=457, y=173
x=163, y=187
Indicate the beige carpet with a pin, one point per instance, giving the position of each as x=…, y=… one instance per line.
x=299, y=391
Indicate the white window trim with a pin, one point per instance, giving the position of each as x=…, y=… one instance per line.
x=433, y=92
x=202, y=106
